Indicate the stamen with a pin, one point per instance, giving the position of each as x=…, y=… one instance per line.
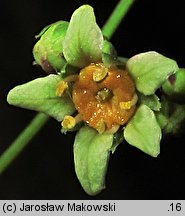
x=100, y=73
x=78, y=118
x=70, y=122
x=125, y=105
x=101, y=126
x=128, y=104
x=62, y=87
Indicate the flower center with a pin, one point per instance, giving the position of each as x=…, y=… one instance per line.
x=104, y=97
x=104, y=94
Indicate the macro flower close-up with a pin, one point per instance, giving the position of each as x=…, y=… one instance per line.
x=107, y=99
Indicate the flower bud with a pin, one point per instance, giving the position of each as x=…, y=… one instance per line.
x=48, y=51
x=174, y=87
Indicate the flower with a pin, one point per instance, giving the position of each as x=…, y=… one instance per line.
x=48, y=50
x=97, y=93
x=104, y=100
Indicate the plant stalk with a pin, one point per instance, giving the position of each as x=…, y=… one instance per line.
x=116, y=17
x=22, y=140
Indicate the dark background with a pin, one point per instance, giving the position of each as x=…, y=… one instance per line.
x=45, y=169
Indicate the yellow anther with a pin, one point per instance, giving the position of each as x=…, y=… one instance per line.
x=100, y=73
x=101, y=126
x=62, y=86
x=125, y=105
x=69, y=122
x=128, y=104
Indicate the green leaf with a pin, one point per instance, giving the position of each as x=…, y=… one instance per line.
x=84, y=40
x=40, y=95
x=91, y=157
x=174, y=87
x=152, y=101
x=143, y=131
x=48, y=51
x=149, y=71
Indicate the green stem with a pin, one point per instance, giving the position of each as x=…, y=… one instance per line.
x=22, y=140
x=39, y=121
x=116, y=17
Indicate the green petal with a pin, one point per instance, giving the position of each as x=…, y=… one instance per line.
x=84, y=40
x=91, y=157
x=174, y=87
x=109, y=54
x=152, y=101
x=48, y=51
x=40, y=95
x=143, y=131
x=150, y=70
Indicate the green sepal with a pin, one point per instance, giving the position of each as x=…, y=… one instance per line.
x=161, y=119
x=176, y=120
x=91, y=157
x=84, y=40
x=143, y=131
x=40, y=95
x=48, y=51
x=152, y=101
x=150, y=70
x=163, y=115
x=171, y=117
x=174, y=87
x=109, y=54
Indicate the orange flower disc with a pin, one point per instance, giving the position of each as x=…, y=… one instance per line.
x=104, y=113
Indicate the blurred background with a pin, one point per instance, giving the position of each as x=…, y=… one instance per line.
x=45, y=169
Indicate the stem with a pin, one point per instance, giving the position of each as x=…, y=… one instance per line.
x=116, y=17
x=22, y=140
x=39, y=121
